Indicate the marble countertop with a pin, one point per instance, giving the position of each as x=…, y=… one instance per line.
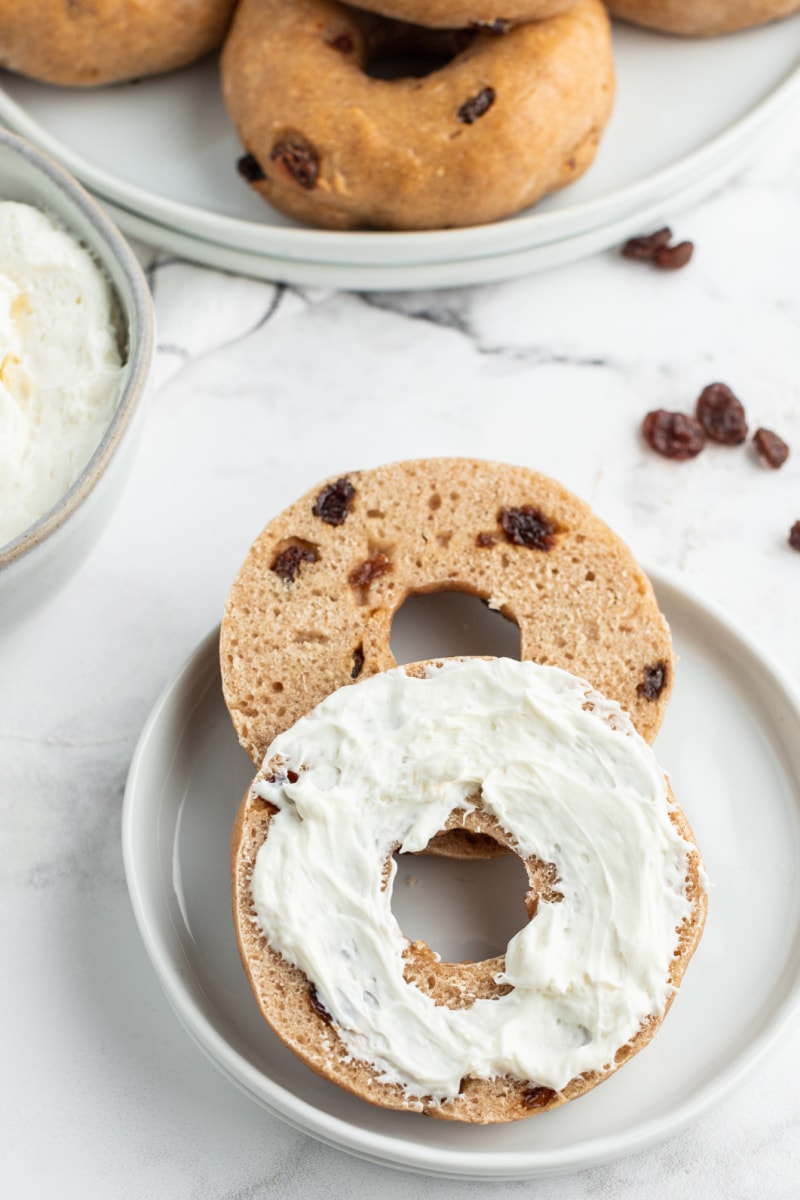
x=259, y=391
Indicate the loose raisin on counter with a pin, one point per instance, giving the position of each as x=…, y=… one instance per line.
x=287, y=564
x=771, y=449
x=250, y=168
x=672, y=258
x=643, y=248
x=334, y=502
x=298, y=160
x=794, y=536
x=722, y=415
x=476, y=106
x=528, y=526
x=654, y=680
x=673, y=434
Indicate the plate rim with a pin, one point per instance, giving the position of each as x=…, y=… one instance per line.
x=290, y=241
x=460, y=1163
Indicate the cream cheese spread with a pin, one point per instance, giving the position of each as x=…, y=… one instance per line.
x=564, y=772
x=61, y=375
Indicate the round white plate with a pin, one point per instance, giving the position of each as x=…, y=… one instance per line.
x=164, y=149
x=400, y=276
x=731, y=742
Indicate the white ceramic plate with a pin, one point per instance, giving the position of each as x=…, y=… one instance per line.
x=462, y=272
x=731, y=742
x=164, y=149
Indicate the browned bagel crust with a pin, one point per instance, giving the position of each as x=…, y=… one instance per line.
x=287, y=999
x=312, y=606
x=702, y=18
x=107, y=41
x=496, y=15
x=506, y=121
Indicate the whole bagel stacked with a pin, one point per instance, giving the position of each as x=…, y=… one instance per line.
x=308, y=679
x=107, y=41
x=344, y=129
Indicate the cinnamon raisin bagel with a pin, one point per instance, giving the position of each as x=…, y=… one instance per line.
x=311, y=608
x=525, y=754
x=702, y=17
x=505, y=119
x=107, y=41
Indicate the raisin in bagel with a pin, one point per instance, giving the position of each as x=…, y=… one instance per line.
x=528, y=755
x=84, y=45
x=702, y=17
x=495, y=16
x=312, y=606
x=504, y=121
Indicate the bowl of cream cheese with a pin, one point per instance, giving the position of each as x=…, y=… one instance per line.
x=76, y=344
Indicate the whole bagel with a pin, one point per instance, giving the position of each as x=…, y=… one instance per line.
x=531, y=757
x=311, y=608
x=702, y=18
x=107, y=41
x=506, y=120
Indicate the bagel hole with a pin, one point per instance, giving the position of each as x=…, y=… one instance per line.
x=394, y=50
x=450, y=623
x=466, y=910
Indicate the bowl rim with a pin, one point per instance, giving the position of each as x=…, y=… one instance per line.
x=139, y=312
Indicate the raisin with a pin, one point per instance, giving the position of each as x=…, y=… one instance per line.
x=528, y=526
x=287, y=564
x=476, y=106
x=317, y=1005
x=771, y=449
x=672, y=258
x=485, y=539
x=292, y=776
x=358, y=662
x=343, y=43
x=537, y=1097
x=722, y=415
x=673, y=434
x=249, y=168
x=794, y=536
x=372, y=568
x=334, y=502
x=643, y=248
x=298, y=160
x=654, y=680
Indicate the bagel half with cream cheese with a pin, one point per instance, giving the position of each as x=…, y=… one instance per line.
x=527, y=755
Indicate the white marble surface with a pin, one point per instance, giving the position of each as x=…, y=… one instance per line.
x=257, y=393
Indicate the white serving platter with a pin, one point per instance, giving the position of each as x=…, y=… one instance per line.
x=164, y=151
x=731, y=743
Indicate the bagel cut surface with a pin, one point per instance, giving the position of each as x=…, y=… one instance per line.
x=702, y=18
x=532, y=757
x=311, y=608
x=504, y=121
x=107, y=41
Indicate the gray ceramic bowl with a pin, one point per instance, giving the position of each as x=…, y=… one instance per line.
x=35, y=564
